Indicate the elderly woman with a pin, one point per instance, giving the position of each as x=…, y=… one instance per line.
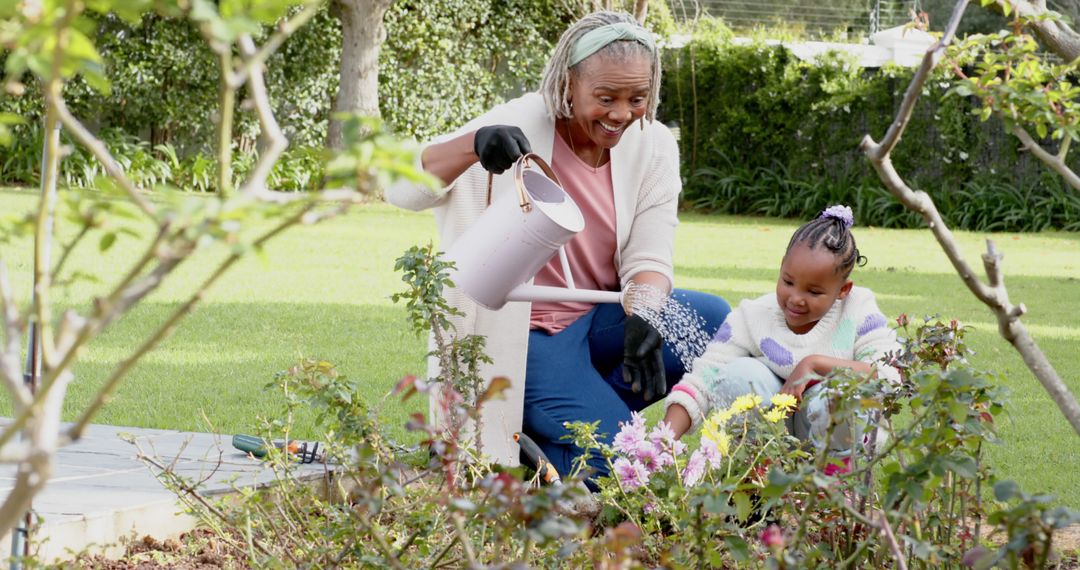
x=594, y=122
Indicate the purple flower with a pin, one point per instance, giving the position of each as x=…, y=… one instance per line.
x=695, y=468
x=631, y=474
x=776, y=353
x=840, y=212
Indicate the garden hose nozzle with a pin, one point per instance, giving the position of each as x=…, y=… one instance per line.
x=306, y=452
x=532, y=452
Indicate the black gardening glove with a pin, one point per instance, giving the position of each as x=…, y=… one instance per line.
x=643, y=358
x=499, y=146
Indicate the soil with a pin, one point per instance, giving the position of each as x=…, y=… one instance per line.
x=196, y=550
x=200, y=550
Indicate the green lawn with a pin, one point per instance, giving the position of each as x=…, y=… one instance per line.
x=324, y=291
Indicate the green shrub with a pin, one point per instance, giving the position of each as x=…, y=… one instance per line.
x=764, y=133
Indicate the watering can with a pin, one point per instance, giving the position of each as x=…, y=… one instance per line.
x=517, y=236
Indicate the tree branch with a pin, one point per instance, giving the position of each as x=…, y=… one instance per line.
x=277, y=143
x=894, y=547
x=166, y=328
x=272, y=43
x=83, y=136
x=9, y=356
x=1055, y=35
x=993, y=295
x=1055, y=162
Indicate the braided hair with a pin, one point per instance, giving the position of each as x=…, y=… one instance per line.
x=555, y=84
x=831, y=230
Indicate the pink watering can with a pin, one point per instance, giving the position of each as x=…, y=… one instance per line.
x=515, y=237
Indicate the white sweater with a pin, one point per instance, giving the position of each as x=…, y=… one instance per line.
x=646, y=182
x=853, y=329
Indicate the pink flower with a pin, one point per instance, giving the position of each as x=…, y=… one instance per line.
x=649, y=455
x=630, y=435
x=695, y=468
x=662, y=433
x=631, y=474
x=711, y=454
x=772, y=537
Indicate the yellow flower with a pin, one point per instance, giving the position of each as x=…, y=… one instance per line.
x=711, y=430
x=721, y=417
x=785, y=401
x=723, y=443
x=746, y=403
x=775, y=414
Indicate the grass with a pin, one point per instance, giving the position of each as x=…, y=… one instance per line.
x=324, y=292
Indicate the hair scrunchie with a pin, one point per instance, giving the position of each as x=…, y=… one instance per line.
x=596, y=39
x=841, y=213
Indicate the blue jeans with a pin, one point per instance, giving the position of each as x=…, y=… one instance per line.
x=576, y=375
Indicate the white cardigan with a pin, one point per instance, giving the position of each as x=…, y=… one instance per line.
x=647, y=183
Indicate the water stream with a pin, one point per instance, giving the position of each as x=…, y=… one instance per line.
x=680, y=326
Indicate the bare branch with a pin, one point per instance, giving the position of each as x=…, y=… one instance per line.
x=83, y=136
x=119, y=299
x=886, y=531
x=166, y=328
x=914, y=90
x=256, y=182
x=16, y=452
x=10, y=372
x=1055, y=162
x=226, y=101
x=284, y=30
x=993, y=295
x=1063, y=152
x=29, y=480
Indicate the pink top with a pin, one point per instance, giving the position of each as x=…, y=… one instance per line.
x=592, y=252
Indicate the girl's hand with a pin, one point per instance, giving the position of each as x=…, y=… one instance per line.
x=805, y=371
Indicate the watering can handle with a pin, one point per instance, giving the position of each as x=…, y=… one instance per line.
x=523, y=162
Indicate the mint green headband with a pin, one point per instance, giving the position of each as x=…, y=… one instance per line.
x=598, y=38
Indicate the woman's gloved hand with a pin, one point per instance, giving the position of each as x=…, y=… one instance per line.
x=643, y=358
x=499, y=146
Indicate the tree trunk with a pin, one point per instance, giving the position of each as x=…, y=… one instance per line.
x=363, y=33
x=641, y=8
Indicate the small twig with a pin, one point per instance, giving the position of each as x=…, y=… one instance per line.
x=271, y=45
x=67, y=249
x=463, y=538
x=886, y=531
x=83, y=136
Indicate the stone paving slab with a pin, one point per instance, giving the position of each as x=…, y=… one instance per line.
x=101, y=493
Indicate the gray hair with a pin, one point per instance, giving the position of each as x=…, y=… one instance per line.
x=555, y=84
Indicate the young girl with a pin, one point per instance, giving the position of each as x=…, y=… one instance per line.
x=784, y=343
